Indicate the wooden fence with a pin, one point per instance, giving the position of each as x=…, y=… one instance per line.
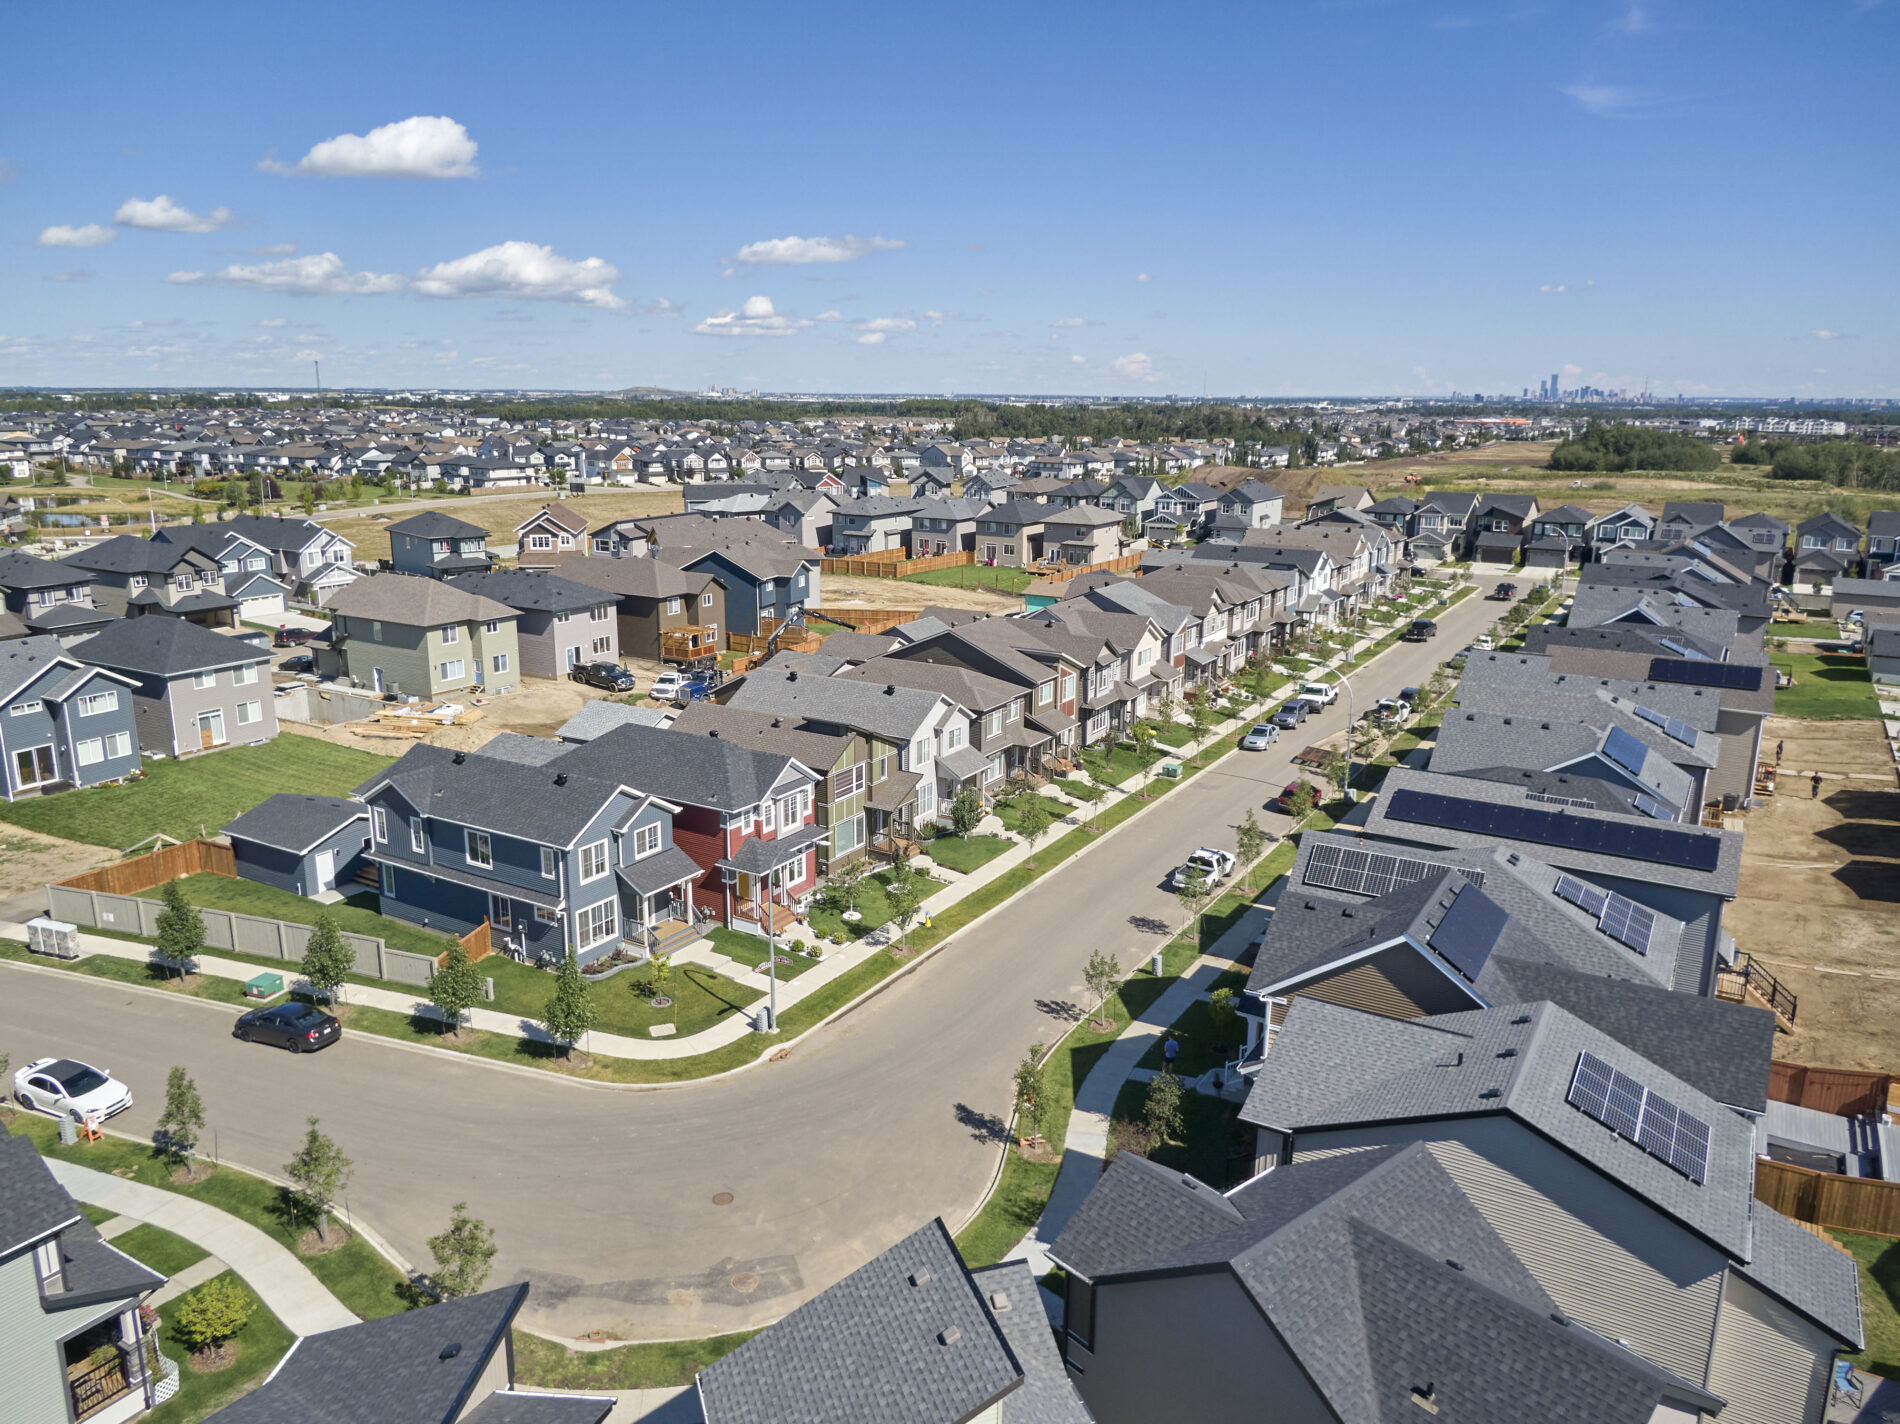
x=893, y=563
x=1825, y=1199
x=1845, y=1092
x=128, y=877
x=867, y=620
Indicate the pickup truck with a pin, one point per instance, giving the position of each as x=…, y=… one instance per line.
x=1324, y=693
x=1421, y=629
x=1207, y=864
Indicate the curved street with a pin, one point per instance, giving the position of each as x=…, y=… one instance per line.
x=604, y=1197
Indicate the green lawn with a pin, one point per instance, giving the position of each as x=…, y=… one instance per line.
x=260, y=1345
x=1078, y=790
x=195, y=797
x=542, y=1364
x=355, y=1272
x=98, y=1215
x=131, y=971
x=1174, y=734
x=1879, y=1261
x=975, y=576
x=358, y=914
x=164, y=1252
x=701, y=996
x=873, y=904
x=1204, y=1148
x=750, y=950
x=966, y=853
x=1113, y=766
x=1194, y=1030
x=1827, y=687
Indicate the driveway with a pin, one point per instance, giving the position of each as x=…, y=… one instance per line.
x=604, y=1198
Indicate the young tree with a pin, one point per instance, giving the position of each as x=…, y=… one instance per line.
x=463, y=1254
x=1100, y=976
x=182, y=1122
x=455, y=988
x=1034, y=814
x=1334, y=770
x=1195, y=893
x=845, y=882
x=326, y=958
x=1161, y=1111
x=1029, y=1101
x=1222, y=1014
x=1249, y=841
x=181, y=929
x=1201, y=711
x=213, y=1314
x=570, y=1012
x=904, y=895
x=1144, y=752
x=1300, y=805
x=319, y=1172
x=966, y=812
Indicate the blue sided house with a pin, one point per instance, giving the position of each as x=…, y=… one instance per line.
x=304, y=844
x=62, y=723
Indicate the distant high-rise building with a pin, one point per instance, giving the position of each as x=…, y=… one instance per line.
x=1553, y=386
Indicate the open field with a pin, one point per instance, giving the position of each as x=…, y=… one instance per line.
x=536, y=708
x=1820, y=878
x=498, y=514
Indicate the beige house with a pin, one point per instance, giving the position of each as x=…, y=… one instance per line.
x=420, y=637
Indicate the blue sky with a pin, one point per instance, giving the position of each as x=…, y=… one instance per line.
x=1364, y=196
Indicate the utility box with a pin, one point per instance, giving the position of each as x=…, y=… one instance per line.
x=264, y=986
x=52, y=937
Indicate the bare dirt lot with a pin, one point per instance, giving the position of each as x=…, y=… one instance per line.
x=1820, y=881
x=29, y=860
x=842, y=592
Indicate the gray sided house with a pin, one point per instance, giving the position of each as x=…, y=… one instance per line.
x=651, y=597
x=551, y=535
x=313, y=561
x=31, y=586
x=436, y=545
x=1083, y=534
x=193, y=690
x=944, y=526
x=873, y=524
x=138, y=576
x=560, y=624
x=1010, y=535
x=62, y=723
x=303, y=844
x=420, y=637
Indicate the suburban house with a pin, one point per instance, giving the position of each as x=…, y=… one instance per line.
x=1010, y=534
x=552, y=534
x=312, y=561
x=244, y=564
x=1250, y=505
x=1329, y=499
x=653, y=598
x=765, y=575
x=1133, y=495
x=1765, y=532
x=1003, y=738
x=1632, y=524
x=1826, y=547
x=1681, y=517
x=436, y=545
x=560, y=623
x=192, y=690
x=1500, y=527
x=1558, y=537
x=453, y=1363
x=300, y=843
x=873, y=524
x=47, y=597
x=76, y=1346
x=945, y=526
x=806, y=517
x=1083, y=534
x=1190, y=504
x=420, y=637
x=137, y=576
x=1883, y=653
x=63, y=723
x=913, y=1336
x=1440, y=525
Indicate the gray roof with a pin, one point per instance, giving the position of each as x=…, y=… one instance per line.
x=532, y=1407
x=653, y=873
x=644, y=577
x=689, y=771
x=130, y=554
x=1381, y=1277
x=164, y=647
x=1518, y=676
x=845, y=702
x=600, y=715
x=491, y=793
x=20, y=570
x=32, y=1204
x=522, y=749
x=295, y=822
x=1468, y=740
x=527, y=590
x=904, y=1339
x=415, y=602
x=976, y=691
x=1011, y=1295
x=756, y=856
x=860, y=647
x=1816, y=1277
x=433, y=524
x=818, y=747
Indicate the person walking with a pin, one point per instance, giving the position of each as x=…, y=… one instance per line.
x=1814, y=792
x=1168, y=1052
x=1780, y=747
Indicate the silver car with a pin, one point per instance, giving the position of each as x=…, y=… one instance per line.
x=1262, y=736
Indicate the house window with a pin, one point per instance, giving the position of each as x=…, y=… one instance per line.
x=646, y=841
x=138, y=581
x=92, y=751
x=245, y=675
x=926, y=797
x=500, y=660
x=119, y=744
x=1045, y=694
x=705, y=600
x=492, y=626
x=993, y=771
x=451, y=635
x=596, y=923
x=600, y=614
x=416, y=842
x=376, y=630
x=881, y=771
x=476, y=846
x=919, y=752
x=379, y=824
x=249, y=713
x=498, y=912
x=601, y=646
x=1016, y=710
x=387, y=879
x=202, y=680
x=20, y=709
x=766, y=817
x=93, y=703
x=452, y=670
x=562, y=617
x=593, y=861
x=992, y=723
x=540, y=541
x=847, y=835
x=672, y=606
x=847, y=783
x=789, y=812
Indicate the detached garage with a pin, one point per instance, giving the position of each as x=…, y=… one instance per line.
x=303, y=844
x=260, y=599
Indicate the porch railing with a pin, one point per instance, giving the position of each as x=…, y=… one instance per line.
x=93, y=1387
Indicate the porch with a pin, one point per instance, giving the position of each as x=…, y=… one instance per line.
x=657, y=914
x=768, y=882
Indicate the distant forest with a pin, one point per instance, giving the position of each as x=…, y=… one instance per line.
x=1834, y=462
x=1629, y=447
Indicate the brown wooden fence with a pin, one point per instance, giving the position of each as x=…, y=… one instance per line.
x=1824, y=1199
x=867, y=620
x=1845, y=1092
x=128, y=877
x=892, y=563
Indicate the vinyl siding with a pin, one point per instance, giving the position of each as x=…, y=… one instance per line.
x=186, y=702
x=1771, y=1365
x=33, y=1384
x=1624, y=1270
x=1395, y=984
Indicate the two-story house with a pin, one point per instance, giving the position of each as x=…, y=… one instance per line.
x=560, y=623
x=1559, y=537
x=553, y=534
x=805, y=516
x=1190, y=504
x=1008, y=721
x=245, y=567
x=310, y=559
x=63, y=723
x=192, y=690
x=1251, y=505
x=873, y=524
x=1765, y=533
x=436, y=545
x=1500, y=525
x=1010, y=534
x=136, y=576
x=1440, y=526
x=1082, y=534
x=1826, y=547
x=1133, y=496
x=945, y=526
x=1632, y=524
x=420, y=637
x=44, y=596
x=653, y=598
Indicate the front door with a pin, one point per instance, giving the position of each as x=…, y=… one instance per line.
x=326, y=870
x=211, y=729
x=33, y=766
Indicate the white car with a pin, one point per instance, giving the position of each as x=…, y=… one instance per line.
x=1212, y=866
x=65, y=1087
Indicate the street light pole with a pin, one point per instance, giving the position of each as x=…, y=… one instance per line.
x=771, y=961
x=1346, y=789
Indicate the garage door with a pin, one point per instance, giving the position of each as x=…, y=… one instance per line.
x=261, y=610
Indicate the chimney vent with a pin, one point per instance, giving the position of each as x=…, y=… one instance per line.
x=560, y=778
x=459, y=758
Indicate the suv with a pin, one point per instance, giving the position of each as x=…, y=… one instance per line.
x=1207, y=864
x=1420, y=630
x=1291, y=715
x=610, y=676
x=288, y=637
x=1505, y=592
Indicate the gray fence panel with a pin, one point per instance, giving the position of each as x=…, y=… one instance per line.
x=73, y=906
x=218, y=929
x=369, y=954
x=116, y=912
x=406, y=968
x=252, y=935
x=293, y=939
x=149, y=911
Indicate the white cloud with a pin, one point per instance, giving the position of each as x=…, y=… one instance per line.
x=1136, y=366
x=756, y=318
x=318, y=274
x=1821, y=333
x=871, y=338
x=275, y=249
x=1143, y=277
x=275, y=321
x=1079, y=359
x=1601, y=98
x=1555, y=287
x=523, y=270
x=419, y=147
x=1635, y=21
x=829, y=316
x=309, y=355
x=1570, y=370
x=884, y=325
x=798, y=251
x=161, y=214
x=1070, y=321
x=69, y=276
x=91, y=235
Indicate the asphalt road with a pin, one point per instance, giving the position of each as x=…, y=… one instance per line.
x=604, y=1198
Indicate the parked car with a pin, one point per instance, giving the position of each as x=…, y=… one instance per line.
x=302, y=1028
x=1324, y=693
x=288, y=637
x=609, y=676
x=1409, y=694
x=667, y=685
x=1313, y=705
x=1504, y=592
x=1290, y=715
x=1390, y=709
x=1484, y=643
x=1262, y=736
x=1207, y=864
x=65, y=1087
x=1420, y=630
x=301, y=662
x=1284, y=801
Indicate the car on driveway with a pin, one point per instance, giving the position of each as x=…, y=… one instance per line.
x=288, y=637
x=1207, y=864
x=1260, y=737
x=610, y=677
x=65, y=1087
x=302, y=1028
x=667, y=685
x=1291, y=715
x=298, y=663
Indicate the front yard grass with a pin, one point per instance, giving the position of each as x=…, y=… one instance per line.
x=750, y=950
x=542, y=1364
x=162, y=1250
x=1114, y=766
x=1078, y=790
x=966, y=853
x=701, y=996
x=198, y=796
x=1879, y=1260
x=1204, y=1148
x=873, y=904
x=359, y=914
x=1828, y=687
x=260, y=1345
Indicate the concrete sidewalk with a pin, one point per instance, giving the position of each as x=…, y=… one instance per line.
x=280, y=1280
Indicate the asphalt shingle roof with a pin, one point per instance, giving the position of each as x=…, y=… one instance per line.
x=164, y=647
x=689, y=771
x=416, y=602
x=295, y=822
x=433, y=524
x=529, y=591
x=32, y=1204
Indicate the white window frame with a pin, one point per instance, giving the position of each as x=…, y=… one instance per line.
x=417, y=841
x=646, y=840
x=118, y=744
x=376, y=630
x=500, y=661
x=379, y=825
x=20, y=709
x=766, y=813
x=460, y=667
x=202, y=680
x=470, y=838
x=546, y=916
x=603, y=919
x=94, y=703
x=92, y=751
x=451, y=635
x=595, y=862
x=492, y=626
x=550, y=862
x=249, y=714
x=672, y=607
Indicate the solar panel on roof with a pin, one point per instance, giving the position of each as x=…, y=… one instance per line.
x=1581, y=894
x=1469, y=931
x=1364, y=872
x=1741, y=677
x=1559, y=800
x=1627, y=922
x=1686, y=849
x=1652, y=808
x=1669, y=1133
x=1623, y=749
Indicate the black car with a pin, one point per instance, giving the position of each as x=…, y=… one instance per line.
x=302, y=1028
x=610, y=676
x=1420, y=630
x=299, y=662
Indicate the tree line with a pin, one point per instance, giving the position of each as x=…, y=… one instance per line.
x=1630, y=447
x=1834, y=462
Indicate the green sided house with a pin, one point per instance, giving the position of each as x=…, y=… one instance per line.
x=420, y=637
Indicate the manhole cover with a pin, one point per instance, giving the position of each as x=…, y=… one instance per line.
x=722, y=1198
x=745, y=1282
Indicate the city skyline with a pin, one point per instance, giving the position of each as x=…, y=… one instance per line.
x=1218, y=218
